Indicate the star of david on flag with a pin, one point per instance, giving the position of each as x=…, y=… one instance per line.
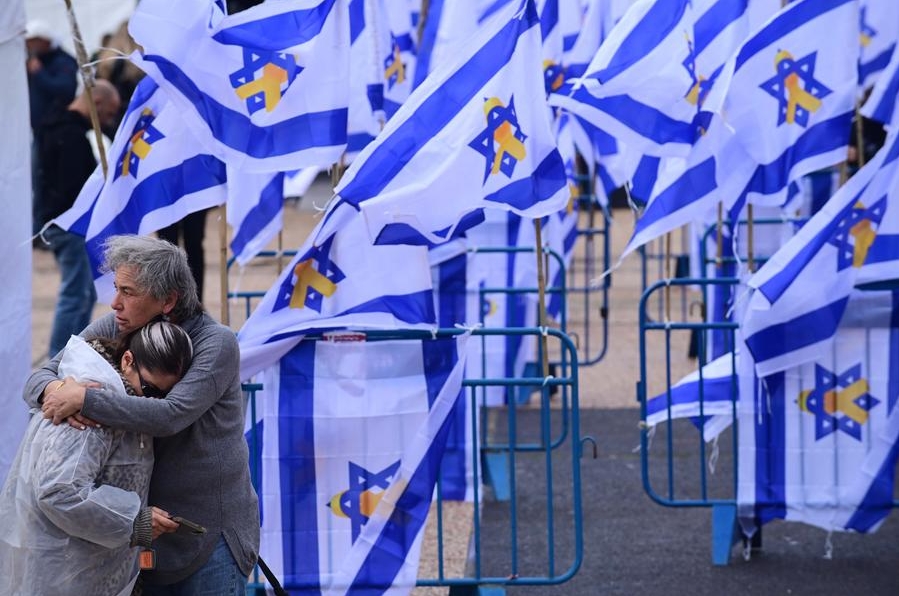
x=143, y=136
x=795, y=88
x=264, y=78
x=314, y=278
x=838, y=402
x=855, y=233
x=502, y=141
x=394, y=67
x=358, y=502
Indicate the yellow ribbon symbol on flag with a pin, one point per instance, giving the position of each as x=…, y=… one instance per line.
x=138, y=146
x=269, y=84
x=308, y=277
x=864, y=237
x=396, y=67
x=504, y=136
x=841, y=401
x=796, y=95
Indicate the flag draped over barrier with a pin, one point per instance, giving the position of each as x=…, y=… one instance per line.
x=419, y=179
x=352, y=438
x=265, y=89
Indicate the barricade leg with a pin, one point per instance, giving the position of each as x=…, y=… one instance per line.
x=724, y=532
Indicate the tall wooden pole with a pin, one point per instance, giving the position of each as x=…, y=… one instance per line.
x=223, y=260
x=541, y=296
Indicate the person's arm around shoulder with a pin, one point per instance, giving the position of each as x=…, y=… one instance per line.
x=213, y=372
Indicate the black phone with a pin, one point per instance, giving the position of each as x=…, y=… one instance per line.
x=185, y=525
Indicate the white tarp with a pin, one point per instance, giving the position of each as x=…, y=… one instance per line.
x=15, y=230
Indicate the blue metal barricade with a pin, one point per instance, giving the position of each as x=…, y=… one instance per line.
x=547, y=437
x=590, y=259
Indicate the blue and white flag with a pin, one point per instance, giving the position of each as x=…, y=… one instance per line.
x=708, y=395
x=477, y=134
x=255, y=211
x=595, y=26
x=881, y=104
x=879, y=24
x=336, y=280
x=158, y=173
x=265, y=89
x=791, y=94
x=353, y=434
x=801, y=293
x=818, y=443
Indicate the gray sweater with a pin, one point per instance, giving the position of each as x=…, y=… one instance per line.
x=202, y=461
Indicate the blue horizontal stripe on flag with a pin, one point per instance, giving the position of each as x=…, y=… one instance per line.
x=644, y=178
x=884, y=249
x=144, y=90
x=358, y=141
x=80, y=225
x=883, y=112
x=821, y=138
x=690, y=187
x=434, y=113
x=643, y=119
x=414, y=308
x=715, y=20
x=722, y=389
x=603, y=142
x=795, y=17
x=875, y=64
x=270, y=201
x=545, y=181
x=278, y=32
x=568, y=42
x=549, y=18
x=656, y=24
x=775, y=287
x=428, y=39
x=160, y=189
x=497, y=4
x=805, y=330
x=237, y=131
x=357, y=19
x=403, y=233
x=296, y=466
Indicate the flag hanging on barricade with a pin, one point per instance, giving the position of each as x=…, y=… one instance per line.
x=852, y=241
x=818, y=442
x=483, y=114
x=265, y=89
x=158, y=174
x=353, y=433
x=338, y=279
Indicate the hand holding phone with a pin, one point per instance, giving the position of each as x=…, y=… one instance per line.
x=185, y=525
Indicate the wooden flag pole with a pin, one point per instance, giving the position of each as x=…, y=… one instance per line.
x=541, y=297
x=859, y=135
x=750, y=241
x=668, y=276
x=223, y=260
x=87, y=76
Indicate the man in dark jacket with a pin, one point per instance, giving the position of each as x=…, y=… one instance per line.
x=68, y=160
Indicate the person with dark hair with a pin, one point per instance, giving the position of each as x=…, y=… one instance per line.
x=202, y=458
x=75, y=502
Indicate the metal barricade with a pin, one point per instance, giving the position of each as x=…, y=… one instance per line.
x=546, y=437
x=590, y=259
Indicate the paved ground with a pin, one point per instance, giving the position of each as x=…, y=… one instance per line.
x=632, y=545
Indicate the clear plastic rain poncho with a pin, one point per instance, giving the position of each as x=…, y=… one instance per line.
x=69, y=503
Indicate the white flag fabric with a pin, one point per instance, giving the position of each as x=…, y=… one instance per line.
x=265, y=89
x=255, y=211
x=476, y=134
x=352, y=438
x=881, y=104
x=338, y=279
x=158, y=173
x=879, y=24
x=852, y=241
x=818, y=442
x=791, y=96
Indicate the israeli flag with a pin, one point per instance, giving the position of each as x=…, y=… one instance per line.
x=708, y=395
x=879, y=31
x=881, y=104
x=476, y=134
x=158, y=173
x=255, y=211
x=354, y=434
x=818, y=442
x=337, y=280
x=851, y=242
x=791, y=94
x=265, y=89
